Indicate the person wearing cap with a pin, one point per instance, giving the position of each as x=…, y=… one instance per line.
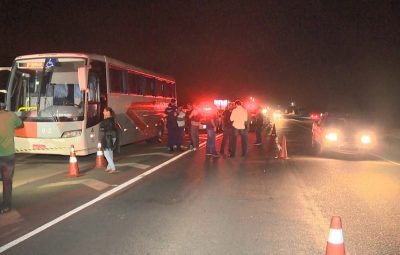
x=9, y=122
x=239, y=118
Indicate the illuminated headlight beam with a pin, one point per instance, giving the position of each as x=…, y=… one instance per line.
x=365, y=139
x=333, y=137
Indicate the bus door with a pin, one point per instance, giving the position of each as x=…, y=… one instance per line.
x=4, y=74
x=97, y=93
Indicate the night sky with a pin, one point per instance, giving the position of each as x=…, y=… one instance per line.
x=322, y=54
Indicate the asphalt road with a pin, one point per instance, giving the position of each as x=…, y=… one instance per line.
x=198, y=205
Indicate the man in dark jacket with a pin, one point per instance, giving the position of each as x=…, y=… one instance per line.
x=172, y=125
x=259, y=124
x=9, y=121
x=227, y=128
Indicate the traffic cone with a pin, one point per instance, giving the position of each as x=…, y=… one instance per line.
x=335, y=244
x=100, y=160
x=73, y=164
x=283, y=149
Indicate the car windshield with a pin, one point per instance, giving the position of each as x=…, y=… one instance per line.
x=47, y=89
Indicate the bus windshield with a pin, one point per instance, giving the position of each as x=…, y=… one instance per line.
x=47, y=89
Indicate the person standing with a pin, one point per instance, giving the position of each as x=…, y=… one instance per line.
x=194, y=118
x=172, y=125
x=227, y=128
x=109, y=140
x=181, y=127
x=211, y=128
x=188, y=111
x=239, y=118
x=259, y=124
x=9, y=122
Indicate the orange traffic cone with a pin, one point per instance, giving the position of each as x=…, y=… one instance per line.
x=73, y=164
x=335, y=244
x=283, y=149
x=100, y=160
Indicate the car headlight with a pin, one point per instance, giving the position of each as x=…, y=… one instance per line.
x=333, y=137
x=366, y=139
x=73, y=133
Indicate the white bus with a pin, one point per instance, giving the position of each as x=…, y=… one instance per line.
x=61, y=97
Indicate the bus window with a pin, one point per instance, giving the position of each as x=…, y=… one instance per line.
x=170, y=90
x=132, y=84
x=159, y=88
x=124, y=82
x=116, y=80
x=150, y=86
x=141, y=81
x=173, y=90
x=94, y=92
x=163, y=89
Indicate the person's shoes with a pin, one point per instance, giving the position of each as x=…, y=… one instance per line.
x=257, y=143
x=194, y=149
x=113, y=171
x=215, y=155
x=208, y=154
x=231, y=156
x=170, y=150
x=107, y=170
x=5, y=210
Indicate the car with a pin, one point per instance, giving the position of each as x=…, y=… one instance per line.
x=315, y=116
x=342, y=134
x=206, y=111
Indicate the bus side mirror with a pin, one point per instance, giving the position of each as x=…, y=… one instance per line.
x=83, y=77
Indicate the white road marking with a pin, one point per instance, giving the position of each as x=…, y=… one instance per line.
x=385, y=159
x=133, y=164
x=150, y=154
x=93, y=201
x=91, y=183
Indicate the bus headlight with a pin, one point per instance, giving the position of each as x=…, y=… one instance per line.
x=73, y=133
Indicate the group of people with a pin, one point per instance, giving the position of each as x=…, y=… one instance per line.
x=235, y=122
x=177, y=120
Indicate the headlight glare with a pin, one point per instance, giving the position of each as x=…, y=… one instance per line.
x=366, y=139
x=333, y=137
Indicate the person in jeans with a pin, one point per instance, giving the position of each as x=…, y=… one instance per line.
x=227, y=128
x=239, y=118
x=211, y=128
x=172, y=125
x=109, y=140
x=9, y=121
x=181, y=127
x=259, y=124
x=194, y=118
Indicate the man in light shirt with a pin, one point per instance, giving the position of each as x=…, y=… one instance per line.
x=239, y=118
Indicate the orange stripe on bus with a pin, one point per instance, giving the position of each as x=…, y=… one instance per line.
x=29, y=130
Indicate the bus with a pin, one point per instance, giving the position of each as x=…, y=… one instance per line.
x=61, y=97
